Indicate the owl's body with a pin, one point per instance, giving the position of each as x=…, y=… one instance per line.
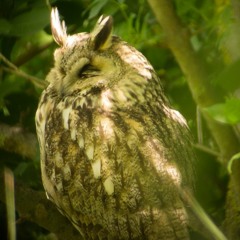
x=113, y=154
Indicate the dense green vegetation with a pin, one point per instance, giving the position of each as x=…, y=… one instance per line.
x=194, y=48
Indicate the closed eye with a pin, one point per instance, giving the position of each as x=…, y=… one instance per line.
x=88, y=70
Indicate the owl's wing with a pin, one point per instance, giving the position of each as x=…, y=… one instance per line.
x=150, y=158
x=141, y=159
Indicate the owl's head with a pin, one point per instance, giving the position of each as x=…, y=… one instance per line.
x=94, y=59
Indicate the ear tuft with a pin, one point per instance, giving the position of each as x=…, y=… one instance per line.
x=101, y=34
x=59, y=30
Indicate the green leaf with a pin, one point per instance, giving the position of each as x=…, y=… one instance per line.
x=196, y=43
x=217, y=112
x=30, y=22
x=96, y=7
x=229, y=77
x=228, y=112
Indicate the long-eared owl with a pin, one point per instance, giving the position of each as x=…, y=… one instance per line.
x=114, y=155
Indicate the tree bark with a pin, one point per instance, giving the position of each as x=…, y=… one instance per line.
x=15, y=139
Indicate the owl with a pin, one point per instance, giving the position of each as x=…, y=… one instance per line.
x=114, y=155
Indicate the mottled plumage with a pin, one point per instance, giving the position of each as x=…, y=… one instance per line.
x=113, y=153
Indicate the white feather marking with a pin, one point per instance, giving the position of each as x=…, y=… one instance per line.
x=121, y=95
x=89, y=152
x=81, y=142
x=106, y=103
x=66, y=172
x=96, y=167
x=47, y=196
x=108, y=185
x=102, y=20
x=73, y=134
x=107, y=127
x=174, y=174
x=42, y=126
x=177, y=116
x=81, y=102
x=44, y=109
x=65, y=116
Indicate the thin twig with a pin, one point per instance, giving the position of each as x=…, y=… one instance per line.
x=199, y=126
x=10, y=203
x=215, y=232
x=15, y=70
x=31, y=53
x=11, y=65
x=207, y=150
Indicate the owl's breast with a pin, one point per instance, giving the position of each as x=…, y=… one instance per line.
x=102, y=167
x=72, y=136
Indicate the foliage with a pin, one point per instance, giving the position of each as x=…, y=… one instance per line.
x=227, y=112
x=26, y=41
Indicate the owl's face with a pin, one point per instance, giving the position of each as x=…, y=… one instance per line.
x=94, y=60
x=78, y=65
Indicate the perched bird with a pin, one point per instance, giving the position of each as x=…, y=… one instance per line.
x=114, y=155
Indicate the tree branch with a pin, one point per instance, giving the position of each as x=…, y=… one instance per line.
x=34, y=206
x=31, y=53
x=15, y=139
